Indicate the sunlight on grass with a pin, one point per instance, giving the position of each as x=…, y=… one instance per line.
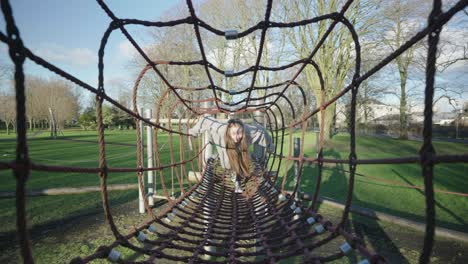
x=80, y=149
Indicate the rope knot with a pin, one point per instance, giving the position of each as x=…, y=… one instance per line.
x=100, y=94
x=16, y=51
x=77, y=260
x=21, y=168
x=103, y=251
x=427, y=154
x=352, y=161
x=356, y=241
x=116, y=24
x=320, y=158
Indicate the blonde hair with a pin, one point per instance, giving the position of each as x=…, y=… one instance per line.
x=238, y=154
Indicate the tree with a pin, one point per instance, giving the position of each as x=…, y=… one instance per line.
x=182, y=40
x=370, y=92
x=336, y=56
x=400, y=21
x=452, y=58
x=49, y=99
x=122, y=118
x=227, y=55
x=87, y=119
x=8, y=111
x=7, y=98
x=5, y=73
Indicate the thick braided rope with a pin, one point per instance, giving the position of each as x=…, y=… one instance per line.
x=427, y=149
x=21, y=165
x=22, y=162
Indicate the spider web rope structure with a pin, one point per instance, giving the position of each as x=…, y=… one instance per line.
x=264, y=224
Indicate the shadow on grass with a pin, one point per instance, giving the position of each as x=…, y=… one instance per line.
x=438, y=204
x=60, y=227
x=336, y=186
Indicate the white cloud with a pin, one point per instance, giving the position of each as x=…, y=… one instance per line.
x=4, y=55
x=126, y=49
x=115, y=85
x=3, y=49
x=78, y=57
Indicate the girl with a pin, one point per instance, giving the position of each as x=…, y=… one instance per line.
x=232, y=140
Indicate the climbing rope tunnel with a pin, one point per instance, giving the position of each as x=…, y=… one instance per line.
x=205, y=220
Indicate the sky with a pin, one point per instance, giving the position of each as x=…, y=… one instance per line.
x=68, y=34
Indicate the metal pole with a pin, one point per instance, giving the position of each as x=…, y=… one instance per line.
x=149, y=154
x=206, y=139
x=317, y=137
x=297, y=148
x=141, y=201
x=259, y=151
x=207, y=154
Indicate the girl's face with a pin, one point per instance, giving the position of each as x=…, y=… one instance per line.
x=236, y=133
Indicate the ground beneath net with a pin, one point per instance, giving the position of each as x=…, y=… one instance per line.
x=81, y=235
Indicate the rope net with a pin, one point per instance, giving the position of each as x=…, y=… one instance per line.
x=264, y=223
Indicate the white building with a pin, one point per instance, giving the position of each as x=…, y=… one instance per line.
x=375, y=111
x=379, y=113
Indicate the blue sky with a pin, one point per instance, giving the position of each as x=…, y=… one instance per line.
x=68, y=34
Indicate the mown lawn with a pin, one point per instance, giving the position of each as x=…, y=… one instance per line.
x=80, y=149
x=451, y=210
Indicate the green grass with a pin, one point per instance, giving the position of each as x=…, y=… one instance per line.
x=451, y=210
x=79, y=232
x=59, y=208
x=83, y=151
x=81, y=236
x=45, y=214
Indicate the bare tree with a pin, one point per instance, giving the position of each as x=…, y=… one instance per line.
x=63, y=101
x=241, y=53
x=5, y=72
x=36, y=111
x=7, y=98
x=452, y=57
x=400, y=20
x=8, y=111
x=335, y=57
x=50, y=100
x=170, y=44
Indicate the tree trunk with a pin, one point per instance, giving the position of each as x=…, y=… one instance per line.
x=7, y=128
x=328, y=128
x=366, y=116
